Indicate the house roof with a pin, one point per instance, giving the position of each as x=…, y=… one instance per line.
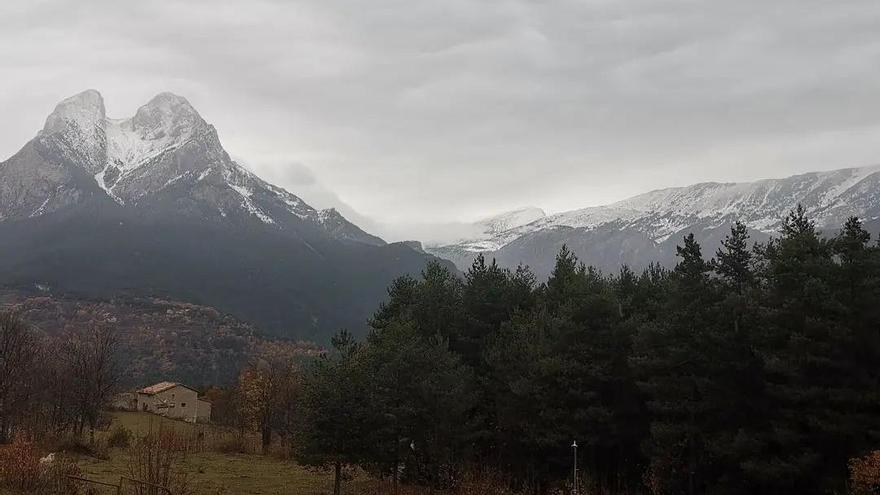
x=161, y=387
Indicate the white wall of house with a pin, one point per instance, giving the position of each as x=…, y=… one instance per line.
x=177, y=402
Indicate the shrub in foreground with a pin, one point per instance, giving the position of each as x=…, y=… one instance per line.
x=119, y=438
x=23, y=469
x=865, y=474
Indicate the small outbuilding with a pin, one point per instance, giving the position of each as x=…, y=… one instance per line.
x=174, y=400
x=126, y=401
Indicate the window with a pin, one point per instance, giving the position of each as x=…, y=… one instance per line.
x=183, y=404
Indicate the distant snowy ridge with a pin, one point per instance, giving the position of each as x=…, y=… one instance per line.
x=656, y=217
x=492, y=230
x=761, y=204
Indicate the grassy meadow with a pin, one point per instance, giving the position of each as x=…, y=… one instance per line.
x=212, y=472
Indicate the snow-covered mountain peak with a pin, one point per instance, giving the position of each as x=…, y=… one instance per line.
x=76, y=127
x=166, y=115
x=168, y=121
x=85, y=111
x=163, y=162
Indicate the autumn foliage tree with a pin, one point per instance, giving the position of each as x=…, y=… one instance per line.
x=268, y=390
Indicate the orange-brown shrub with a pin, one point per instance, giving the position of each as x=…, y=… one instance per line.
x=865, y=474
x=21, y=469
x=20, y=465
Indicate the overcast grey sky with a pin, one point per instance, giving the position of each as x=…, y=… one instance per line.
x=449, y=110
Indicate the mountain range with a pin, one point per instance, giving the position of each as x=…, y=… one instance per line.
x=153, y=205
x=647, y=227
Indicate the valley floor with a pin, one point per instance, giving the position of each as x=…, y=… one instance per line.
x=213, y=473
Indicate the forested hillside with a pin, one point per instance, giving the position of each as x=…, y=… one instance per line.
x=750, y=370
x=158, y=339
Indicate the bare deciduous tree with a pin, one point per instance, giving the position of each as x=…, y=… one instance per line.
x=93, y=369
x=17, y=351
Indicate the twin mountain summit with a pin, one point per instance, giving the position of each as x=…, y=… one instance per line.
x=153, y=205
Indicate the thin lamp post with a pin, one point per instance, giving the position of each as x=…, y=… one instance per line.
x=574, y=446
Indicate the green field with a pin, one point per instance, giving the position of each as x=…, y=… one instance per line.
x=217, y=473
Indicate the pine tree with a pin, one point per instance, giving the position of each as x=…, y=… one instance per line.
x=564, y=373
x=676, y=375
x=692, y=270
x=491, y=297
x=856, y=260
x=437, y=311
x=808, y=364
x=738, y=399
x=419, y=395
x=432, y=303
x=858, y=290
x=487, y=302
x=733, y=259
x=402, y=297
x=563, y=281
x=330, y=427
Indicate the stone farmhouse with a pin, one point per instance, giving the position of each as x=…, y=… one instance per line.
x=173, y=400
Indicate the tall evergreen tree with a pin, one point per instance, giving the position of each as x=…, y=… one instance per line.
x=733, y=259
x=564, y=375
x=492, y=296
x=487, y=303
x=330, y=428
x=419, y=396
x=564, y=280
x=675, y=374
x=858, y=273
x=735, y=438
x=808, y=364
